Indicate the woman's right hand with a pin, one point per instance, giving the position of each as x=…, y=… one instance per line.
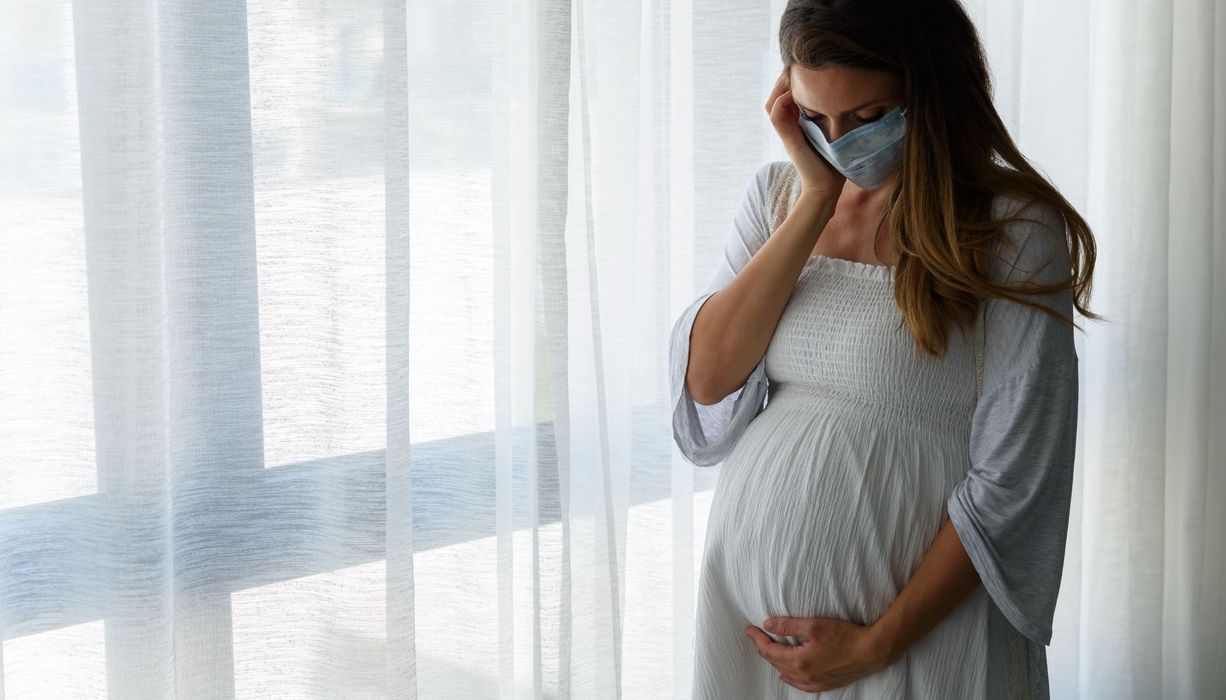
x=817, y=177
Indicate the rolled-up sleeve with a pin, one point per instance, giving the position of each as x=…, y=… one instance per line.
x=1011, y=511
x=706, y=434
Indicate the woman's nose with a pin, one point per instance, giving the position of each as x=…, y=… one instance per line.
x=836, y=131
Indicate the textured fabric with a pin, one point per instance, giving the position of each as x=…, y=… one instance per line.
x=832, y=490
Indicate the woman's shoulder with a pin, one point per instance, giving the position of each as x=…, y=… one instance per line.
x=777, y=185
x=1033, y=240
x=1032, y=210
x=773, y=176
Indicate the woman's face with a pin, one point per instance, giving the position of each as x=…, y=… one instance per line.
x=839, y=99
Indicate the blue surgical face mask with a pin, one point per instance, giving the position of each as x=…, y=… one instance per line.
x=867, y=155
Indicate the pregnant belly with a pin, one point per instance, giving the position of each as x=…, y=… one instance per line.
x=826, y=506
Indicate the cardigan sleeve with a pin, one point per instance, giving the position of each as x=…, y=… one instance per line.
x=706, y=434
x=1011, y=510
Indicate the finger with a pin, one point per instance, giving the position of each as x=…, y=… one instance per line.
x=785, y=118
x=801, y=685
x=782, y=656
x=789, y=652
x=781, y=84
x=787, y=672
x=784, y=107
x=820, y=683
x=759, y=638
x=779, y=655
x=790, y=626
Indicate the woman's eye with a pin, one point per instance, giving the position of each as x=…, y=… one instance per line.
x=862, y=120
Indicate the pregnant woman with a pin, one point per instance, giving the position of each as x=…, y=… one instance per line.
x=883, y=362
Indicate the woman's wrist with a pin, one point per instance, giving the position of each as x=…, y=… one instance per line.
x=819, y=202
x=881, y=645
x=809, y=216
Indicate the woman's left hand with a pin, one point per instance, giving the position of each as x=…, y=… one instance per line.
x=832, y=654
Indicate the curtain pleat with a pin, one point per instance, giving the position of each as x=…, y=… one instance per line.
x=400, y=661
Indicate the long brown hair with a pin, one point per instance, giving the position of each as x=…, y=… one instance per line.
x=939, y=210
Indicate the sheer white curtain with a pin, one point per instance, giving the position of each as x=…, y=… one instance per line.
x=332, y=338
x=1124, y=106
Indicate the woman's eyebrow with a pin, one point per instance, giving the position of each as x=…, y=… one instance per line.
x=853, y=109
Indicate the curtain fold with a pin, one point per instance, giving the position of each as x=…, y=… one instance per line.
x=332, y=338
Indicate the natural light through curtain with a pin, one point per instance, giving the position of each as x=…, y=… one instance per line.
x=332, y=337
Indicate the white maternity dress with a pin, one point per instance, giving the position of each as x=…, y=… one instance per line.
x=846, y=448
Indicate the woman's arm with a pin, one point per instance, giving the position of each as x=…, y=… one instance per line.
x=734, y=327
x=943, y=580
x=1008, y=518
